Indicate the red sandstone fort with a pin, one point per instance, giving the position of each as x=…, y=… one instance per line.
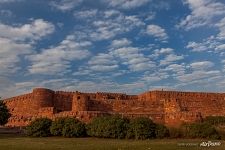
x=167, y=107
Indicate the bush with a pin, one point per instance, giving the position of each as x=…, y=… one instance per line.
x=57, y=126
x=175, y=132
x=218, y=122
x=73, y=128
x=201, y=130
x=141, y=128
x=161, y=131
x=39, y=128
x=108, y=127
x=215, y=120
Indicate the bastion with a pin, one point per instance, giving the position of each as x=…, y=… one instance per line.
x=170, y=108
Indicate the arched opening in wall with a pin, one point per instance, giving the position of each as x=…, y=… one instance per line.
x=78, y=97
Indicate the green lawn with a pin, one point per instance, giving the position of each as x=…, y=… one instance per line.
x=8, y=142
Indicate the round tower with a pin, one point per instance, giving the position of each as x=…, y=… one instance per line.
x=43, y=97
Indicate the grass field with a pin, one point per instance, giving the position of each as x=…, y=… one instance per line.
x=9, y=142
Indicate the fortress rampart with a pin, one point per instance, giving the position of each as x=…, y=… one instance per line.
x=167, y=107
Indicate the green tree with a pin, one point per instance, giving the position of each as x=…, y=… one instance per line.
x=215, y=120
x=108, y=127
x=39, y=127
x=73, y=128
x=4, y=113
x=141, y=128
x=57, y=126
x=175, y=132
x=201, y=130
x=161, y=131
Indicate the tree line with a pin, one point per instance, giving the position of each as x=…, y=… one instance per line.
x=118, y=127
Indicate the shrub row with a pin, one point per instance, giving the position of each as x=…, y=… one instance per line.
x=218, y=122
x=67, y=127
x=195, y=130
x=103, y=127
x=119, y=128
x=215, y=120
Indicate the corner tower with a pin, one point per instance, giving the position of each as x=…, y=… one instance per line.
x=43, y=97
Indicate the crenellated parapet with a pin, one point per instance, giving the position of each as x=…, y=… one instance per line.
x=19, y=98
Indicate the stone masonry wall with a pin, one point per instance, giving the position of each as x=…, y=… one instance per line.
x=171, y=108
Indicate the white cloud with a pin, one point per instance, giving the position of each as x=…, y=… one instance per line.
x=150, y=16
x=203, y=12
x=198, y=75
x=111, y=13
x=85, y=14
x=170, y=59
x=109, y=86
x=154, y=77
x=107, y=25
x=6, y=13
x=197, y=47
x=126, y=4
x=107, y=29
x=65, y=5
x=103, y=62
x=10, y=53
x=120, y=43
x=210, y=45
x=223, y=63
x=103, y=68
x=221, y=26
x=179, y=69
x=34, y=31
x=221, y=47
x=9, y=88
x=132, y=57
x=164, y=51
x=58, y=59
x=161, y=51
x=16, y=42
x=157, y=32
x=201, y=65
x=9, y=1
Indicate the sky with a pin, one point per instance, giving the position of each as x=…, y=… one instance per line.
x=127, y=46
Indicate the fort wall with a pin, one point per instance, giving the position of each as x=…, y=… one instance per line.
x=168, y=107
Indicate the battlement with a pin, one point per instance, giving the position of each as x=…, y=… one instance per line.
x=168, y=107
x=187, y=94
x=18, y=98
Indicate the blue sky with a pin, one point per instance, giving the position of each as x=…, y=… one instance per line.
x=127, y=46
